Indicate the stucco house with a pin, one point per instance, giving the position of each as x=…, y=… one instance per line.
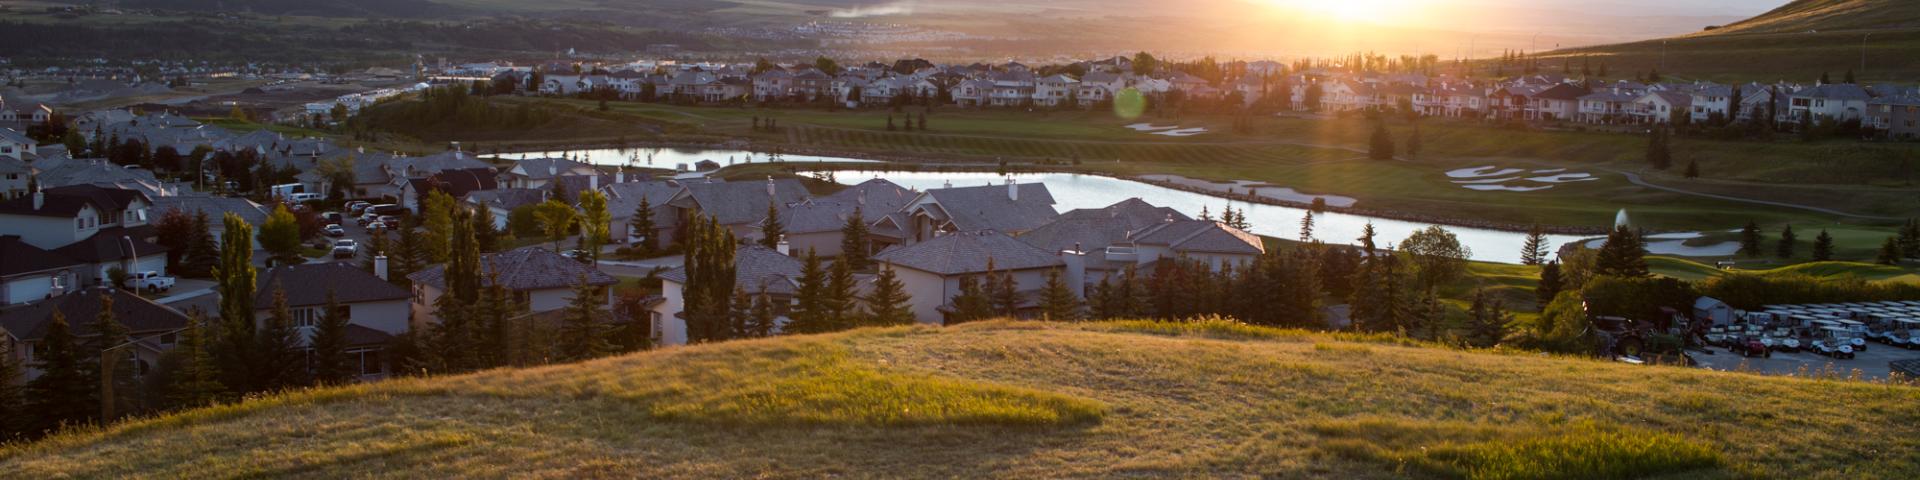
x=931, y=269
x=739, y=206
x=539, y=279
x=376, y=309
x=102, y=228
x=757, y=269
x=1012, y=209
x=29, y=273
x=152, y=328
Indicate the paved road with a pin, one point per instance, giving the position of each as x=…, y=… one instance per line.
x=1871, y=363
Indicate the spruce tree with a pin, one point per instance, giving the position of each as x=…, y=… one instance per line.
x=771, y=231
x=329, y=345
x=1693, y=169
x=581, y=335
x=1002, y=291
x=1487, y=320
x=888, y=303
x=1909, y=238
x=841, y=302
x=61, y=395
x=282, y=366
x=1534, y=250
x=1823, y=247
x=740, y=314
x=1750, y=240
x=643, y=226
x=15, y=419
x=1413, y=142
x=854, y=241
x=711, y=275
x=1057, y=301
x=1306, y=227
x=203, y=252
x=1787, y=241
x=810, y=309
x=763, y=323
x=195, y=379
x=971, y=303
x=409, y=256
x=1551, y=282
x=1623, y=255
x=1889, y=252
x=1658, y=154
x=1380, y=147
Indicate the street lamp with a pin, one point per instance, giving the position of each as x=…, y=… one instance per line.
x=1863, y=52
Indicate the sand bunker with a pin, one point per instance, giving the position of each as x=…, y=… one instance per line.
x=1184, y=132
x=1482, y=172
x=1489, y=180
x=1492, y=178
x=1505, y=188
x=1550, y=170
x=1565, y=178
x=1284, y=194
x=1148, y=127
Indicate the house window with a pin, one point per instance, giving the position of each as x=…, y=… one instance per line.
x=306, y=317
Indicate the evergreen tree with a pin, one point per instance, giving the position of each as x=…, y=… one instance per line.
x=1849, y=77
x=1057, y=301
x=61, y=395
x=15, y=419
x=194, y=381
x=888, y=303
x=1750, y=239
x=1787, y=240
x=763, y=319
x=1693, y=169
x=1658, y=153
x=234, y=344
x=1889, y=252
x=1366, y=239
x=711, y=276
x=329, y=346
x=810, y=303
x=740, y=314
x=854, y=241
x=1002, y=291
x=1909, y=238
x=841, y=301
x=436, y=215
x=1535, y=250
x=643, y=226
x=596, y=227
x=278, y=349
x=1306, y=227
x=1380, y=147
x=1623, y=255
x=1413, y=142
x=203, y=252
x=771, y=231
x=971, y=303
x=1823, y=247
x=581, y=335
x=410, y=256
x=1550, y=283
x=1487, y=320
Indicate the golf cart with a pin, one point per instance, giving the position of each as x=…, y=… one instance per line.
x=1784, y=340
x=1904, y=333
x=1834, y=342
x=1748, y=345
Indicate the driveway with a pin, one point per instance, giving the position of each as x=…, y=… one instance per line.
x=1871, y=363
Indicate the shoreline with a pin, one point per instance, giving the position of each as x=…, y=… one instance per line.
x=946, y=163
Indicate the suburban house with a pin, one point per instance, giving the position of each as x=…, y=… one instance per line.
x=1896, y=117
x=16, y=145
x=1833, y=102
x=739, y=206
x=1662, y=106
x=1211, y=242
x=1103, y=235
x=101, y=228
x=29, y=273
x=539, y=279
x=1709, y=100
x=757, y=269
x=881, y=204
x=216, y=209
x=538, y=172
x=152, y=328
x=376, y=310
x=623, y=202
x=500, y=202
x=931, y=270
x=1560, y=102
x=1012, y=209
x=1608, y=107
x=455, y=183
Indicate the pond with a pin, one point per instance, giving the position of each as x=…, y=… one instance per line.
x=1074, y=191
x=669, y=158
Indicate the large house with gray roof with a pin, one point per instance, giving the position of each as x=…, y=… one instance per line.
x=539, y=279
x=104, y=228
x=739, y=206
x=757, y=269
x=29, y=273
x=152, y=328
x=931, y=269
x=1012, y=209
x=376, y=309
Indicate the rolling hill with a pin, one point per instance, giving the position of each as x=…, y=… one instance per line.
x=1027, y=400
x=1878, y=39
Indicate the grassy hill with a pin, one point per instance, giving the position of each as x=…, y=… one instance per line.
x=1797, y=41
x=1026, y=400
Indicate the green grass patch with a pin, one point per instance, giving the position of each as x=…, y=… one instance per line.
x=1544, y=450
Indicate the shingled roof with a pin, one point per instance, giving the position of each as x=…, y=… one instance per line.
x=968, y=252
x=1203, y=236
x=308, y=285
x=993, y=207
x=876, y=198
x=18, y=257
x=113, y=243
x=138, y=314
x=756, y=269
x=526, y=268
x=69, y=200
x=739, y=203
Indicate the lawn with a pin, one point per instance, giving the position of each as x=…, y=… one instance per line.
x=1031, y=400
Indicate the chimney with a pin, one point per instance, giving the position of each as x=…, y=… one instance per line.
x=783, y=247
x=620, y=176
x=380, y=266
x=593, y=181
x=1013, y=190
x=39, y=198
x=770, y=193
x=456, y=147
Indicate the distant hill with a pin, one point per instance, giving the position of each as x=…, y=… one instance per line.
x=1033, y=400
x=1798, y=41
x=328, y=8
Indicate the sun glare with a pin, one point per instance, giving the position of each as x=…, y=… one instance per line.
x=1368, y=11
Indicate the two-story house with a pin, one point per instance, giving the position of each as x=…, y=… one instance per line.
x=103, y=228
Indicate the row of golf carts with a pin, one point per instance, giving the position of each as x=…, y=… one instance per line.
x=1837, y=330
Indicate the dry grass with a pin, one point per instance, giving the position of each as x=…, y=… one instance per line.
x=1025, y=400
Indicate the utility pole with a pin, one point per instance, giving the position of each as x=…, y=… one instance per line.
x=1863, y=53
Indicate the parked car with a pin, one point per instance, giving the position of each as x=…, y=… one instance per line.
x=577, y=255
x=390, y=220
x=357, y=207
x=367, y=218
x=331, y=217
x=345, y=248
x=150, y=281
x=1749, y=346
x=334, y=230
x=376, y=226
x=388, y=209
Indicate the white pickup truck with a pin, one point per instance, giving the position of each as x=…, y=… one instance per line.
x=149, y=281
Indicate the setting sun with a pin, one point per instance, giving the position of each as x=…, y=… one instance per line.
x=1372, y=11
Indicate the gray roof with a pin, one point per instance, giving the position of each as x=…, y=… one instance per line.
x=739, y=203
x=138, y=314
x=102, y=174
x=215, y=207
x=10, y=135
x=968, y=252
x=538, y=168
x=1201, y=236
x=431, y=164
x=991, y=207
x=507, y=199
x=307, y=285
x=1836, y=91
x=810, y=216
x=18, y=257
x=624, y=198
x=756, y=269
x=1096, y=228
x=526, y=268
x=877, y=198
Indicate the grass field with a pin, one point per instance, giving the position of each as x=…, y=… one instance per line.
x=1034, y=400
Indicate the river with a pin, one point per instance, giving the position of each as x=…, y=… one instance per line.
x=670, y=158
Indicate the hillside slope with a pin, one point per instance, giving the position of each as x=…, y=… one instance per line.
x=1024, y=400
x=1880, y=39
